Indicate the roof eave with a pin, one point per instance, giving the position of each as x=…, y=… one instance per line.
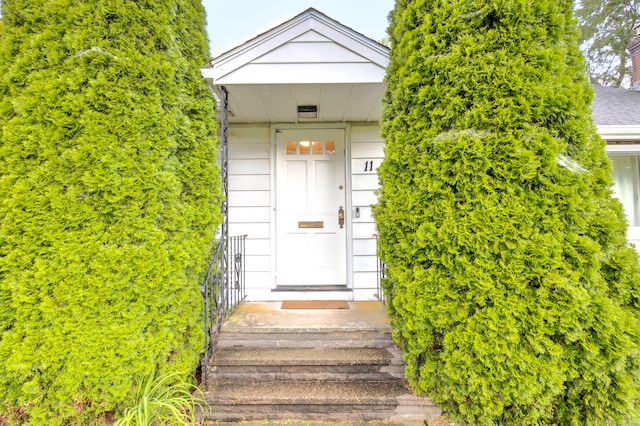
x=619, y=133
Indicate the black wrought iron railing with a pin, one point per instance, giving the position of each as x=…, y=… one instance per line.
x=223, y=289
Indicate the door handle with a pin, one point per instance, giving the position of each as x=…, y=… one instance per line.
x=341, y=217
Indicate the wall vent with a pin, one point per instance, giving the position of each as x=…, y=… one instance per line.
x=307, y=111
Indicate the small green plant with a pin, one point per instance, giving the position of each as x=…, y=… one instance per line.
x=164, y=400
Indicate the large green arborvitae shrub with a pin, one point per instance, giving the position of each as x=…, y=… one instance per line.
x=513, y=290
x=109, y=200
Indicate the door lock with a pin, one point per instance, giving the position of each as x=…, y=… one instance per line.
x=341, y=217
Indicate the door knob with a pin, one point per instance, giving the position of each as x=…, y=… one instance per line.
x=341, y=217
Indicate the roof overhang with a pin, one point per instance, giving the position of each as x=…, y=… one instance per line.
x=619, y=133
x=308, y=60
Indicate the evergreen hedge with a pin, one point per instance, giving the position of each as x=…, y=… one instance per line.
x=109, y=200
x=513, y=290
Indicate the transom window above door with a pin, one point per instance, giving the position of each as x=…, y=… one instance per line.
x=308, y=147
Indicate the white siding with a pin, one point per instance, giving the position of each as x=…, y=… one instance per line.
x=250, y=203
x=367, y=151
x=314, y=52
x=250, y=210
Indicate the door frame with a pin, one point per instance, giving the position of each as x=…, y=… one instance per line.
x=346, y=127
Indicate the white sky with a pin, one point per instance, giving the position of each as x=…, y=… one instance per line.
x=232, y=22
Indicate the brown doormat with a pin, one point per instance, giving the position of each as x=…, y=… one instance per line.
x=315, y=304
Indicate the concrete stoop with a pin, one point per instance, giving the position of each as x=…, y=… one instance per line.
x=279, y=370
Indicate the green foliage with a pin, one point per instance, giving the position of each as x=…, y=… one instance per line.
x=164, y=400
x=607, y=26
x=513, y=291
x=109, y=200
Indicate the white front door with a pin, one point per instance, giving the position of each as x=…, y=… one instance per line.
x=310, y=198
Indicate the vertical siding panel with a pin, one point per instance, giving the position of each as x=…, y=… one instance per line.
x=367, y=152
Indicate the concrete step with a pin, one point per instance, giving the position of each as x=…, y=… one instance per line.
x=317, y=401
x=311, y=367
x=305, y=339
x=254, y=364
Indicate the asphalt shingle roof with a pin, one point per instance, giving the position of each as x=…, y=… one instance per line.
x=614, y=106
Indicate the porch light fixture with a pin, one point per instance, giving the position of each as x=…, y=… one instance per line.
x=307, y=111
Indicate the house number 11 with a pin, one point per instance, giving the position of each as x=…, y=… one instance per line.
x=368, y=166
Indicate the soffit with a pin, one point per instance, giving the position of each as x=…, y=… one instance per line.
x=278, y=103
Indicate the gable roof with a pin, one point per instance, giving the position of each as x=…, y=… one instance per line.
x=310, y=59
x=310, y=48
